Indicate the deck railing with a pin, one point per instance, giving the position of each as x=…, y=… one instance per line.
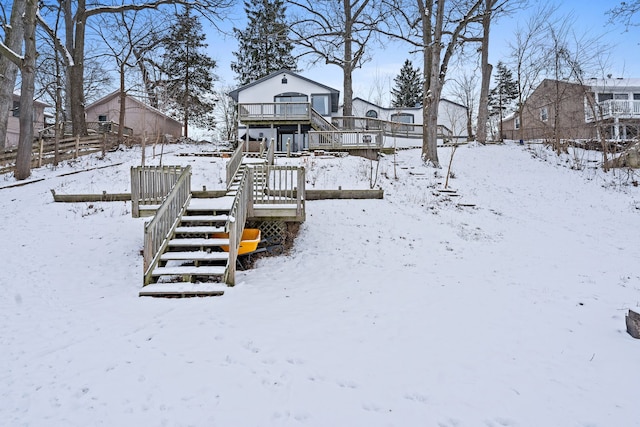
x=278, y=185
x=150, y=185
x=388, y=128
x=274, y=111
x=161, y=227
x=235, y=224
x=611, y=108
x=335, y=140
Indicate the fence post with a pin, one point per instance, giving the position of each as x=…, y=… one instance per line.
x=104, y=144
x=288, y=147
x=75, y=154
x=41, y=151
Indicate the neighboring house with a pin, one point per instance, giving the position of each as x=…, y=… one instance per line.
x=452, y=117
x=13, y=124
x=570, y=110
x=286, y=106
x=139, y=117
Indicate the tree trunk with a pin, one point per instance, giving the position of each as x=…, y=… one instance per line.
x=25, y=141
x=123, y=105
x=76, y=70
x=347, y=69
x=8, y=69
x=432, y=55
x=483, y=106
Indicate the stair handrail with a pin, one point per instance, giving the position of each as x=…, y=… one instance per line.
x=161, y=228
x=234, y=164
x=236, y=221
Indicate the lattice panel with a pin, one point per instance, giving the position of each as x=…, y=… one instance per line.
x=273, y=232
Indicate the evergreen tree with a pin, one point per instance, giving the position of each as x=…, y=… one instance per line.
x=503, y=94
x=264, y=45
x=189, y=81
x=408, y=89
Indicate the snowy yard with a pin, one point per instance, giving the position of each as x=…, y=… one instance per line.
x=406, y=311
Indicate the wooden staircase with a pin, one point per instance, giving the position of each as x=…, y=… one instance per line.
x=193, y=263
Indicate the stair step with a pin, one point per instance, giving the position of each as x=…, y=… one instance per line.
x=194, y=256
x=199, y=229
x=206, y=270
x=205, y=218
x=198, y=243
x=183, y=289
x=219, y=204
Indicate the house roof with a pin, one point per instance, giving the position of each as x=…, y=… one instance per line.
x=113, y=94
x=234, y=93
x=335, y=94
x=613, y=84
x=16, y=97
x=405, y=108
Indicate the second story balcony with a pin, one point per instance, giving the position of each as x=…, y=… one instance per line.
x=274, y=112
x=614, y=108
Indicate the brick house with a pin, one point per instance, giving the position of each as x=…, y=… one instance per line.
x=570, y=110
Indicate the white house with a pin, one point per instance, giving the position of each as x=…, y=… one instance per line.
x=452, y=117
x=283, y=106
x=286, y=106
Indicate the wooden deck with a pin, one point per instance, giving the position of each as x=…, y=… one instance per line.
x=181, y=255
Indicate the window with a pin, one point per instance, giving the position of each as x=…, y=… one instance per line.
x=297, y=104
x=517, y=122
x=402, y=118
x=544, y=114
x=372, y=114
x=636, y=96
x=622, y=96
x=320, y=103
x=16, y=109
x=604, y=97
x=102, y=118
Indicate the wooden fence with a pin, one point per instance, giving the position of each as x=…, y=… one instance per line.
x=150, y=185
x=44, y=151
x=166, y=219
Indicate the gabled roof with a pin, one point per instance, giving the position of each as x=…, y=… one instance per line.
x=116, y=93
x=16, y=97
x=234, y=93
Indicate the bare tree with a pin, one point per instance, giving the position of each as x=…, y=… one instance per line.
x=9, y=68
x=338, y=32
x=493, y=9
x=75, y=30
x=126, y=34
x=625, y=12
x=439, y=34
x=227, y=115
x=27, y=65
x=465, y=91
x=529, y=55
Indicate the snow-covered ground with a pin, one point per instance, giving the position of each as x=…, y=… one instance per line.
x=406, y=311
